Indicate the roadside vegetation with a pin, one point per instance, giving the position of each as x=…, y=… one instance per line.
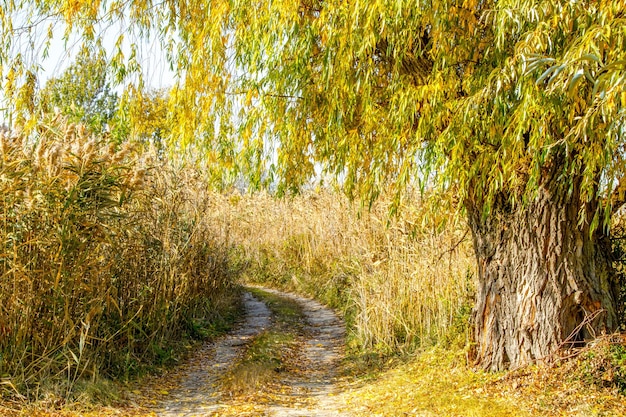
x=109, y=262
x=399, y=284
x=438, y=382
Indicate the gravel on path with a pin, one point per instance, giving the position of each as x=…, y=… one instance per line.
x=198, y=394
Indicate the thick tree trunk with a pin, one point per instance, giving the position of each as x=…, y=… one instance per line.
x=545, y=282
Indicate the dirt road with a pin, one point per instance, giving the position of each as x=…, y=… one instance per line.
x=305, y=385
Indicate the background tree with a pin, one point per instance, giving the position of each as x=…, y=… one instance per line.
x=83, y=92
x=514, y=107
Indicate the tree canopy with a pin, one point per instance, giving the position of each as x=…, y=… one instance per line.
x=82, y=93
x=476, y=94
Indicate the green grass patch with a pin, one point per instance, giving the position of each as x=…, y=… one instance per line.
x=288, y=313
x=265, y=357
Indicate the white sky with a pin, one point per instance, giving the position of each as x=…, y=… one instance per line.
x=151, y=55
x=31, y=44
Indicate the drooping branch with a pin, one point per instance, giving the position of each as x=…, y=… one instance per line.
x=617, y=199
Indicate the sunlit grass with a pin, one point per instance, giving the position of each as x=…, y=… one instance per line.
x=433, y=384
x=263, y=360
x=438, y=382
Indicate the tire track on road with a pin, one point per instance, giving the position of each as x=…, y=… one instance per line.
x=308, y=387
x=199, y=393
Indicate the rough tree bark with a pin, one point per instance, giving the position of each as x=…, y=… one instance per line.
x=545, y=282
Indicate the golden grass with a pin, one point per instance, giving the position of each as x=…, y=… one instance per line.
x=106, y=260
x=400, y=284
x=433, y=384
x=438, y=383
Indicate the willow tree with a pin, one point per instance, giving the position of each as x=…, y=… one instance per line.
x=514, y=106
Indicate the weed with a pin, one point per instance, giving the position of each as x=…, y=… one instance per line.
x=602, y=363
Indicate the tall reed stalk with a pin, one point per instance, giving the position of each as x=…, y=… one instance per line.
x=402, y=284
x=106, y=259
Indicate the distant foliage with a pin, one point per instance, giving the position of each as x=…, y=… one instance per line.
x=143, y=116
x=82, y=93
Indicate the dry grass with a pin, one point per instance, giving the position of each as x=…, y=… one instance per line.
x=107, y=257
x=400, y=284
x=438, y=383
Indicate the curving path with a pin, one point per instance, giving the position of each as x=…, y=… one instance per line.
x=309, y=390
x=322, y=355
x=198, y=393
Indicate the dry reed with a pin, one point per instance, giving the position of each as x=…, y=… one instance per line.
x=401, y=284
x=106, y=259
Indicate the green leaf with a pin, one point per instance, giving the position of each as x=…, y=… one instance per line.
x=546, y=74
x=574, y=81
